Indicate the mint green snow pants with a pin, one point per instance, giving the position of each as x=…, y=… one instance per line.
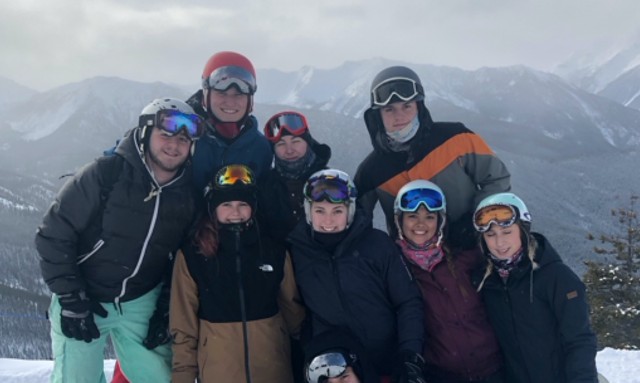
x=80, y=362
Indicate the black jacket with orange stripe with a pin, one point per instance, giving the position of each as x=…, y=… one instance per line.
x=446, y=153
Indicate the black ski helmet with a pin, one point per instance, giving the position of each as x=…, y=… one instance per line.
x=389, y=75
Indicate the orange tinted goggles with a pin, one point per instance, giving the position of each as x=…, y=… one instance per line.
x=232, y=174
x=501, y=215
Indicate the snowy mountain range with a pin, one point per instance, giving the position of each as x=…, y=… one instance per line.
x=613, y=73
x=573, y=154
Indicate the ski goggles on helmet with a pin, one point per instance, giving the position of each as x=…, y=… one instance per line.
x=294, y=123
x=232, y=174
x=501, y=215
x=403, y=88
x=173, y=122
x=431, y=199
x=325, y=366
x=224, y=77
x=328, y=188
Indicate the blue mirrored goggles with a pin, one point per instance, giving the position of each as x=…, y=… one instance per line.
x=224, y=77
x=331, y=189
x=431, y=199
x=404, y=89
x=325, y=366
x=173, y=122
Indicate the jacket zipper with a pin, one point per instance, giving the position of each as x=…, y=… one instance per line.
x=243, y=309
x=88, y=255
x=143, y=252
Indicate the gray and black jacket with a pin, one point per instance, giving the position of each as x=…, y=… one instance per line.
x=446, y=153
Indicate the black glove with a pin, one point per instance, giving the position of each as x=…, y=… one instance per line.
x=462, y=234
x=76, y=317
x=158, y=332
x=409, y=368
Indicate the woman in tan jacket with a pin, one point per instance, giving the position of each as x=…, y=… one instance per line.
x=234, y=302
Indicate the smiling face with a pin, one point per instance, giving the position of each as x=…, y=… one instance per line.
x=233, y=212
x=327, y=217
x=419, y=226
x=398, y=115
x=290, y=148
x=166, y=154
x=229, y=105
x=503, y=242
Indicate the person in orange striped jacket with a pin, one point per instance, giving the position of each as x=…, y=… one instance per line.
x=409, y=145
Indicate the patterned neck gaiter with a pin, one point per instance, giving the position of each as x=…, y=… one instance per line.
x=505, y=266
x=426, y=257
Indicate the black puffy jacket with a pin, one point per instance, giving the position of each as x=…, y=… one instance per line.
x=120, y=248
x=364, y=287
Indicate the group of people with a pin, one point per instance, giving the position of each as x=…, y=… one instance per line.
x=208, y=251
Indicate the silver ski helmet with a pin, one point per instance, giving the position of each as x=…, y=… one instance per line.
x=171, y=115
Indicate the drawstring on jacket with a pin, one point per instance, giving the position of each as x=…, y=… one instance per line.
x=154, y=192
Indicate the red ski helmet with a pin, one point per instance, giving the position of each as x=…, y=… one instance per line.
x=227, y=68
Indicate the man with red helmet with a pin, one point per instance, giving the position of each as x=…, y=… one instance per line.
x=226, y=102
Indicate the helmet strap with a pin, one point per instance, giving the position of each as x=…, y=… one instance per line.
x=143, y=133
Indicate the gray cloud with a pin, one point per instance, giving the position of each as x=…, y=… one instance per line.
x=45, y=44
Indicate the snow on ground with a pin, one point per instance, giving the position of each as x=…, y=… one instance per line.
x=35, y=371
x=619, y=366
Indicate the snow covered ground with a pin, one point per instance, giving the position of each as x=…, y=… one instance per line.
x=618, y=366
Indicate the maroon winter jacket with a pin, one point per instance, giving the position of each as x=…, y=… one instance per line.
x=460, y=342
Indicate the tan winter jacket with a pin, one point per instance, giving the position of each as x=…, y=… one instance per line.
x=213, y=350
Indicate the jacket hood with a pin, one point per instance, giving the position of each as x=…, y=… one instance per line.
x=195, y=101
x=544, y=254
x=323, y=154
x=377, y=133
x=129, y=149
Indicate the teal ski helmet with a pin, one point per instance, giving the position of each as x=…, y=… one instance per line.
x=521, y=212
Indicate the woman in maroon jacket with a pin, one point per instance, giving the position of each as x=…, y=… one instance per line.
x=460, y=345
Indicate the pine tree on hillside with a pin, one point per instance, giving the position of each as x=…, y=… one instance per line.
x=613, y=285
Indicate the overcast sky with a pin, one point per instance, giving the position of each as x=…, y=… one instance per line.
x=46, y=43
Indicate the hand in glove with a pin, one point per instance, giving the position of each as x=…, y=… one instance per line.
x=409, y=368
x=158, y=332
x=76, y=317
